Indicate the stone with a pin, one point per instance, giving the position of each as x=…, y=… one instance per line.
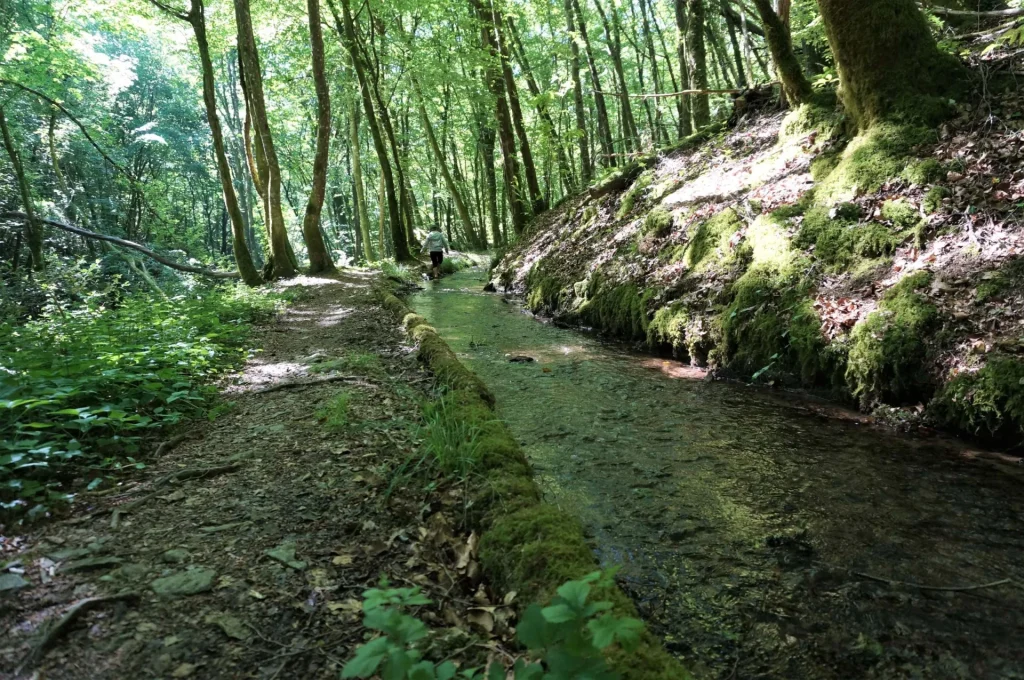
x=190, y=582
x=285, y=554
x=175, y=556
x=12, y=582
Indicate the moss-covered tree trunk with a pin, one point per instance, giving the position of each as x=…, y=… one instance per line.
x=889, y=64
x=794, y=84
x=698, y=62
x=33, y=228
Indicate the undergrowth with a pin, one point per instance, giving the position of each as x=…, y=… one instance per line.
x=86, y=387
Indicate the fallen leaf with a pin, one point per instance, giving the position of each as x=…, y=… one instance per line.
x=342, y=560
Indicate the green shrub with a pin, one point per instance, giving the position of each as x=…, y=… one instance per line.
x=396, y=272
x=88, y=385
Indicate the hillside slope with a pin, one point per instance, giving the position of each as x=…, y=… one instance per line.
x=886, y=269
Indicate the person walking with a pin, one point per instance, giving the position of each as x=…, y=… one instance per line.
x=437, y=245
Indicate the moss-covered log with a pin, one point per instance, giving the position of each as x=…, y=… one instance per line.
x=889, y=64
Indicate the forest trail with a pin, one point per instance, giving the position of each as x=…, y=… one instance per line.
x=255, y=569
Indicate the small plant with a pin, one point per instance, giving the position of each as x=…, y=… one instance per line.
x=449, y=440
x=566, y=639
x=396, y=272
x=334, y=414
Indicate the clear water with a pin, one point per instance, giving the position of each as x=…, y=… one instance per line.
x=741, y=519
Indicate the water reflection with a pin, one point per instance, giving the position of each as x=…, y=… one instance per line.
x=746, y=522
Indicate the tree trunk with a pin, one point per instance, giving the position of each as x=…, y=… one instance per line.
x=737, y=52
x=282, y=265
x=33, y=229
x=795, y=86
x=586, y=166
x=889, y=65
x=611, y=34
x=604, y=130
x=348, y=33
x=537, y=203
x=357, y=183
x=682, y=23
x=486, y=140
x=439, y=158
x=494, y=82
x=698, y=62
x=319, y=257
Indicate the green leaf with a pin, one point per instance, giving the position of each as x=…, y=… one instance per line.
x=367, y=659
x=609, y=629
x=559, y=613
x=574, y=593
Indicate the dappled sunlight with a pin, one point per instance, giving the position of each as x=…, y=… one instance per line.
x=260, y=373
x=334, y=316
x=674, y=369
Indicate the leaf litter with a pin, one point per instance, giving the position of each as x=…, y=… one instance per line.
x=261, y=568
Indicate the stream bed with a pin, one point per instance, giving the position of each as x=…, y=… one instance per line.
x=758, y=538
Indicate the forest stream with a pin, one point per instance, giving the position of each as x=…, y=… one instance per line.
x=758, y=537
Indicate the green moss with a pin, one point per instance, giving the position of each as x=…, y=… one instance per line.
x=657, y=224
x=668, y=329
x=879, y=154
x=822, y=117
x=710, y=240
x=544, y=292
x=840, y=241
x=634, y=193
x=989, y=401
x=618, y=309
x=901, y=213
x=888, y=348
x=995, y=284
x=924, y=171
x=933, y=198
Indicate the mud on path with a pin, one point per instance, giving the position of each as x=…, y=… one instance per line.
x=254, y=567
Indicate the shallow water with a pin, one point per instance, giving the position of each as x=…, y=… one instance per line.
x=746, y=524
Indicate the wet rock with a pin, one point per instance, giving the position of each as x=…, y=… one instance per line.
x=520, y=359
x=175, y=556
x=90, y=563
x=12, y=582
x=184, y=583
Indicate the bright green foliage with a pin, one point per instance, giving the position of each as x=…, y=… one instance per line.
x=989, y=401
x=451, y=441
x=92, y=383
x=450, y=265
x=334, y=414
x=887, y=349
x=710, y=240
x=900, y=213
x=566, y=638
x=397, y=272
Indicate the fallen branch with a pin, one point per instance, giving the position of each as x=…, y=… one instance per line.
x=61, y=627
x=167, y=262
x=946, y=12
x=954, y=589
x=310, y=383
x=170, y=444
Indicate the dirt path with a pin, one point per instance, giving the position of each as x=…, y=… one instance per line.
x=254, y=568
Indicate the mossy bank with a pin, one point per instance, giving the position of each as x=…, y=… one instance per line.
x=527, y=546
x=783, y=252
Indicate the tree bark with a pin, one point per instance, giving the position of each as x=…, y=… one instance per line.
x=485, y=138
x=737, y=52
x=495, y=83
x=698, y=64
x=319, y=257
x=795, y=86
x=611, y=34
x=889, y=65
x=682, y=28
x=347, y=30
x=33, y=228
x=357, y=183
x=586, y=165
x=604, y=130
x=537, y=203
x=282, y=265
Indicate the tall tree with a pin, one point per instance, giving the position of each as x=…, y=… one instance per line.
x=682, y=32
x=282, y=260
x=612, y=34
x=795, y=85
x=889, y=64
x=698, y=62
x=33, y=228
x=604, y=130
x=359, y=191
x=579, y=109
x=319, y=257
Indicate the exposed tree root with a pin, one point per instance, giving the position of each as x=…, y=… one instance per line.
x=170, y=444
x=55, y=631
x=310, y=383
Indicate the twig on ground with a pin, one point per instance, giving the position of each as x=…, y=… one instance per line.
x=892, y=582
x=170, y=444
x=61, y=627
x=310, y=383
